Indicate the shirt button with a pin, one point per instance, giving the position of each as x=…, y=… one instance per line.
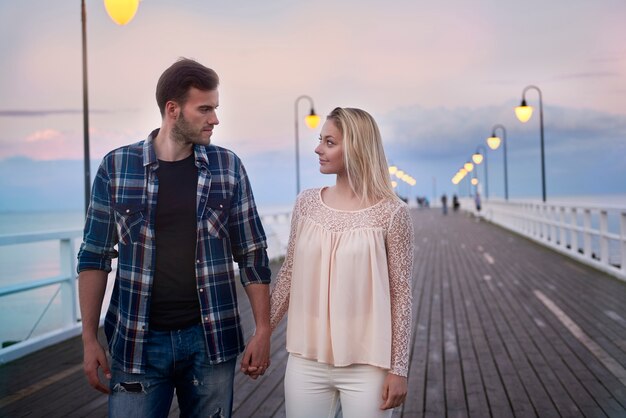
x=201, y=290
x=202, y=200
x=197, y=261
x=127, y=210
x=206, y=319
x=221, y=206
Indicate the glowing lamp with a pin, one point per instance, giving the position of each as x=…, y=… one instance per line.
x=121, y=11
x=399, y=174
x=474, y=181
x=523, y=112
x=468, y=166
x=493, y=141
x=393, y=169
x=312, y=120
x=394, y=184
x=477, y=158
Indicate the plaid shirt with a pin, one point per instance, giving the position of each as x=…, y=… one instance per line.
x=122, y=212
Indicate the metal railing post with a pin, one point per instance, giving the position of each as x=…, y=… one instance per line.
x=587, y=233
x=68, y=288
x=604, y=239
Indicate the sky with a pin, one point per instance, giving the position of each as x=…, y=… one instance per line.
x=437, y=76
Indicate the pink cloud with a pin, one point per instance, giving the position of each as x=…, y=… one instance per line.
x=44, y=136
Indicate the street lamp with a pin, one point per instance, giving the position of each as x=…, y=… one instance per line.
x=494, y=142
x=122, y=12
x=523, y=113
x=311, y=120
x=478, y=159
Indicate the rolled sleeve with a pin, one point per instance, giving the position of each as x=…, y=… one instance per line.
x=100, y=234
x=248, y=242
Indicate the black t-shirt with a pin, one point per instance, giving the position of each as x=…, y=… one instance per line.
x=174, y=303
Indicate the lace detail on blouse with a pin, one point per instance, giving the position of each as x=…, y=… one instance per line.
x=390, y=216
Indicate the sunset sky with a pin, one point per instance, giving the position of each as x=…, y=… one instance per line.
x=436, y=76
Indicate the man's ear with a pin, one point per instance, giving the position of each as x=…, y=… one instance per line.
x=172, y=109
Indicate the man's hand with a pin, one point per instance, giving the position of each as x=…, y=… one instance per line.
x=256, y=358
x=94, y=358
x=394, y=391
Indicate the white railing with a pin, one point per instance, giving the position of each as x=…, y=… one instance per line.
x=593, y=235
x=276, y=227
x=66, y=282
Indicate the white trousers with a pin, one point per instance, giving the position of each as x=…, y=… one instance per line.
x=314, y=390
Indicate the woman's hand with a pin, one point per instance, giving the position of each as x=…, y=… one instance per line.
x=394, y=391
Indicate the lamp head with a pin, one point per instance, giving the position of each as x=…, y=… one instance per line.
x=477, y=158
x=493, y=141
x=121, y=11
x=468, y=167
x=523, y=111
x=474, y=181
x=392, y=169
x=312, y=120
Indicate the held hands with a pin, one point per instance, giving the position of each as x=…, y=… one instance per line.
x=394, y=391
x=256, y=357
x=94, y=357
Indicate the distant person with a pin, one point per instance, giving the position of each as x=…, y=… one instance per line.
x=179, y=210
x=346, y=281
x=455, y=203
x=444, y=204
x=477, y=201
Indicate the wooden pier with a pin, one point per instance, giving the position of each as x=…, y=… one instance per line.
x=503, y=327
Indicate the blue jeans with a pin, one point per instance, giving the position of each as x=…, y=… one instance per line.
x=175, y=360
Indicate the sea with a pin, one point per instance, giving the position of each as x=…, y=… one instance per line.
x=28, y=314
x=32, y=313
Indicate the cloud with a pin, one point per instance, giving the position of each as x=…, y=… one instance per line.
x=43, y=136
x=19, y=113
x=587, y=75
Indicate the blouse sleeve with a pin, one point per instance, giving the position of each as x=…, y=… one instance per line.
x=400, y=261
x=279, y=297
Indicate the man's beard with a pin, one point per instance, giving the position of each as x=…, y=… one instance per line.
x=184, y=133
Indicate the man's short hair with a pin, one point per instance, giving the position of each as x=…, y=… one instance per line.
x=175, y=82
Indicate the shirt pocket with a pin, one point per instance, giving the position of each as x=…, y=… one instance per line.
x=215, y=217
x=128, y=221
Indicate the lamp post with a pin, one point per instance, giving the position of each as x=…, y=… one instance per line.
x=478, y=159
x=121, y=12
x=523, y=113
x=494, y=142
x=311, y=120
x=468, y=166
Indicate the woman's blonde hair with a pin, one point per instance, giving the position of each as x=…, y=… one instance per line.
x=363, y=154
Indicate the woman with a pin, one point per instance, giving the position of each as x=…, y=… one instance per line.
x=346, y=281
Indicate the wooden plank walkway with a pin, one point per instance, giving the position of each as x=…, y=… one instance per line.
x=502, y=328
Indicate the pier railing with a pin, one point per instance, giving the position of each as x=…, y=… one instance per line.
x=66, y=290
x=64, y=287
x=592, y=235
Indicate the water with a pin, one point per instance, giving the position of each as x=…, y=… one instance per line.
x=23, y=263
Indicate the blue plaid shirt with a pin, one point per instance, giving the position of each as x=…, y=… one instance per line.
x=122, y=212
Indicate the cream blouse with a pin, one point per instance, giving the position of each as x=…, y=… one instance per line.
x=346, y=283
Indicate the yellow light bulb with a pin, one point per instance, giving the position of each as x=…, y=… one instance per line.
x=312, y=120
x=469, y=167
x=477, y=158
x=121, y=11
x=493, y=142
x=523, y=113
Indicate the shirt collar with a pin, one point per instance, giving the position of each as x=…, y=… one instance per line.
x=150, y=158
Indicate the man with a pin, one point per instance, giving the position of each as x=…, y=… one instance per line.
x=180, y=210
